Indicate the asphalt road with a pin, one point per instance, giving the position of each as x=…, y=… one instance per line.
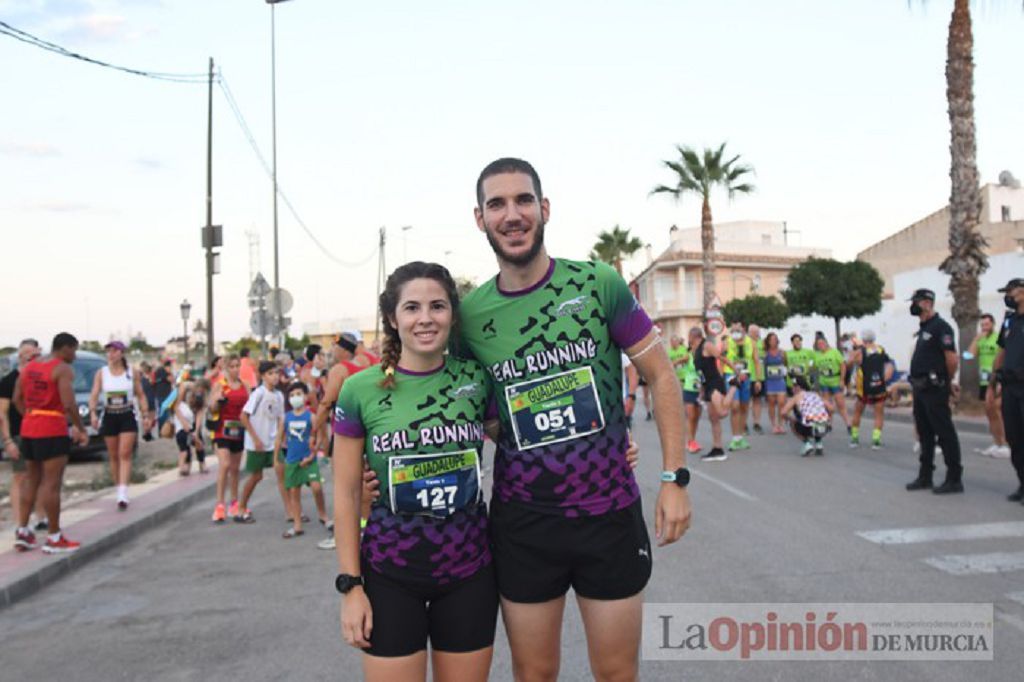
x=192, y=601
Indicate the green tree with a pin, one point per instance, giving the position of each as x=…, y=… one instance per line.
x=613, y=246
x=139, y=343
x=296, y=345
x=764, y=311
x=699, y=175
x=826, y=287
x=245, y=342
x=91, y=346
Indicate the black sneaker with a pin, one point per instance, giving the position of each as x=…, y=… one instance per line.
x=714, y=455
x=648, y=418
x=1017, y=496
x=758, y=429
x=920, y=483
x=43, y=524
x=949, y=487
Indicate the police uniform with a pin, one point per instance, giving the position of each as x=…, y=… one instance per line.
x=933, y=417
x=1011, y=376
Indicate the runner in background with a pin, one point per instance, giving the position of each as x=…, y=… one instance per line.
x=774, y=363
x=228, y=397
x=247, y=371
x=45, y=395
x=363, y=357
x=874, y=369
x=830, y=368
x=799, y=361
x=985, y=347
x=120, y=391
x=10, y=430
x=263, y=419
x=757, y=393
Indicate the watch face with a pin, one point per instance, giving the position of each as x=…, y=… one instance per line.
x=683, y=477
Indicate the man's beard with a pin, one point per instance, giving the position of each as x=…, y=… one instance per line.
x=524, y=259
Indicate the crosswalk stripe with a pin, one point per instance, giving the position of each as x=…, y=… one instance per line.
x=973, y=564
x=969, y=531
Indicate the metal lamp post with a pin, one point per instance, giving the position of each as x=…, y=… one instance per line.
x=186, y=308
x=273, y=126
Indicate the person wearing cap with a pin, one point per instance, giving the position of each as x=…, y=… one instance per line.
x=1009, y=371
x=121, y=393
x=932, y=369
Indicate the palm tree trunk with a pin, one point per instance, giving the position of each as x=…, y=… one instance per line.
x=707, y=245
x=966, y=260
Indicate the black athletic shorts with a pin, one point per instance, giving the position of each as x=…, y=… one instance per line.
x=539, y=556
x=42, y=449
x=116, y=423
x=982, y=393
x=709, y=387
x=232, y=446
x=456, y=618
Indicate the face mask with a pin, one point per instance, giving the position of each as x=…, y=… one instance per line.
x=1010, y=302
x=915, y=309
x=847, y=346
x=297, y=401
x=736, y=336
x=315, y=372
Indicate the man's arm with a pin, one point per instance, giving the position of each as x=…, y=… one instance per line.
x=335, y=378
x=952, y=363
x=632, y=382
x=672, y=514
x=65, y=376
x=5, y=430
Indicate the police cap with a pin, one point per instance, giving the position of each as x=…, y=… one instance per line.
x=1013, y=284
x=923, y=295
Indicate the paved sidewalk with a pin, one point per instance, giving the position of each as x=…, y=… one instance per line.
x=964, y=423
x=100, y=526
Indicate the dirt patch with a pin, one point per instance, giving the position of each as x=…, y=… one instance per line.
x=88, y=475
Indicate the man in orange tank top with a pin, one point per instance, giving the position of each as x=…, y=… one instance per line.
x=45, y=396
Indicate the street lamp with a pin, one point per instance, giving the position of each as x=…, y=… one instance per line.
x=186, y=308
x=273, y=128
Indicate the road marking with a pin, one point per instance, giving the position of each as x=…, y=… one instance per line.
x=969, y=531
x=973, y=564
x=725, y=486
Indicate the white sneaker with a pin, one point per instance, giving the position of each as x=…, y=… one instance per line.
x=990, y=451
x=917, y=447
x=1001, y=452
x=327, y=543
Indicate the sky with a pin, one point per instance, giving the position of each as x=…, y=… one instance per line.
x=386, y=112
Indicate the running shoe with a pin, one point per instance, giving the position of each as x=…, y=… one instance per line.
x=1002, y=452
x=758, y=429
x=744, y=444
x=219, y=514
x=876, y=444
x=917, y=447
x=233, y=509
x=987, y=452
x=291, y=533
x=42, y=524
x=734, y=444
x=245, y=517
x=62, y=546
x=854, y=442
x=122, y=503
x=24, y=540
x=327, y=543
x=715, y=455
x=807, y=450
x=693, y=447
x=327, y=524
x=819, y=448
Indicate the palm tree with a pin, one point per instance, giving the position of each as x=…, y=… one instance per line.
x=612, y=247
x=697, y=175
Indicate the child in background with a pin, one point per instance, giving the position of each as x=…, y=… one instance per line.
x=301, y=467
x=810, y=417
x=262, y=418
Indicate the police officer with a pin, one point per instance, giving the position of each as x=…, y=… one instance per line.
x=1009, y=369
x=932, y=369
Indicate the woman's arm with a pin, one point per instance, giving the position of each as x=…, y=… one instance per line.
x=356, y=613
x=94, y=397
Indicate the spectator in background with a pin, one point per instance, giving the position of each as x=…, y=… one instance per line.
x=163, y=384
x=215, y=371
x=247, y=373
x=10, y=429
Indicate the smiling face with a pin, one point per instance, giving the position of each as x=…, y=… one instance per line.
x=114, y=356
x=512, y=217
x=423, y=317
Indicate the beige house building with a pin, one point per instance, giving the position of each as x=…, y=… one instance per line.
x=750, y=257
x=925, y=244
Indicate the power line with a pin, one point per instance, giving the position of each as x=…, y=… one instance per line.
x=247, y=132
x=25, y=37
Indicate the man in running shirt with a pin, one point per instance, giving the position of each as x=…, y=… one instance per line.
x=10, y=426
x=565, y=508
x=363, y=357
x=44, y=394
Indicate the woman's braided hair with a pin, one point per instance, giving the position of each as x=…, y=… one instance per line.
x=391, y=349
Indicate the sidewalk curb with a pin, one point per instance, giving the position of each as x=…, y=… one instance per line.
x=967, y=426
x=35, y=578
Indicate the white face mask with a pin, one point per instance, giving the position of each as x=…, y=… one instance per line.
x=297, y=401
x=737, y=336
x=315, y=372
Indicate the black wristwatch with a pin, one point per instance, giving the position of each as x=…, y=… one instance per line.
x=681, y=477
x=344, y=582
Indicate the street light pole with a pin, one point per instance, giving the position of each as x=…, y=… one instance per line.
x=273, y=152
x=186, y=308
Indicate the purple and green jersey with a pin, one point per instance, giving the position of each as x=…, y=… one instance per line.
x=553, y=355
x=424, y=439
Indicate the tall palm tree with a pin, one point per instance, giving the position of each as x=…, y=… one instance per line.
x=697, y=174
x=612, y=247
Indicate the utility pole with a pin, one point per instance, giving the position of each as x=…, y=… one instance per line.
x=382, y=273
x=209, y=240
x=273, y=145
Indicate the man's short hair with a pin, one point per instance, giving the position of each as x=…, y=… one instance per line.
x=64, y=340
x=29, y=342
x=298, y=386
x=985, y=316
x=507, y=165
x=312, y=350
x=244, y=353
x=266, y=366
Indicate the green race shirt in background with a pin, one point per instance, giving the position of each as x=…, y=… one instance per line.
x=677, y=354
x=801, y=360
x=740, y=352
x=830, y=367
x=759, y=374
x=580, y=314
x=691, y=380
x=437, y=412
x=988, y=347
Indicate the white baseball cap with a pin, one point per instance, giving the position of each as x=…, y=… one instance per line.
x=354, y=334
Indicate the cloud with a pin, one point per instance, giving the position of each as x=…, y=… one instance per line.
x=149, y=163
x=60, y=206
x=36, y=150
x=77, y=21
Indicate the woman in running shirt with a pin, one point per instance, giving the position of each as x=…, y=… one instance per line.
x=228, y=397
x=422, y=570
x=120, y=391
x=717, y=395
x=774, y=363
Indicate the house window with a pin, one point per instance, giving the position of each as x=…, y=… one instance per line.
x=664, y=289
x=691, y=290
x=1006, y=214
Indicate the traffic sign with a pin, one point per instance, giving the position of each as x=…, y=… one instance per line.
x=259, y=289
x=286, y=302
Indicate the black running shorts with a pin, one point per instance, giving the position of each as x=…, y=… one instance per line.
x=456, y=618
x=712, y=385
x=42, y=449
x=539, y=556
x=116, y=423
x=233, y=446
